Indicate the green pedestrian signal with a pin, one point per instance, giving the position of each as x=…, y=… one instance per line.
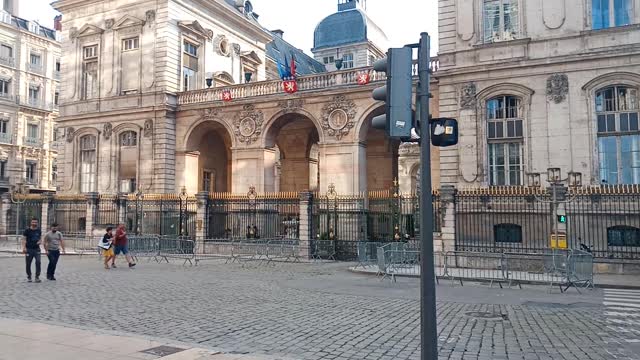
x=562, y=219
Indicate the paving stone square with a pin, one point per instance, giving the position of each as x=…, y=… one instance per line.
x=311, y=311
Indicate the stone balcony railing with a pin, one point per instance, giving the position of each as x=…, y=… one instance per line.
x=35, y=68
x=7, y=61
x=313, y=82
x=30, y=141
x=5, y=138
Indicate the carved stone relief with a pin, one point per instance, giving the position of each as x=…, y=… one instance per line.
x=553, y=13
x=210, y=114
x=468, y=96
x=291, y=105
x=148, y=128
x=73, y=33
x=150, y=15
x=69, y=134
x=108, y=24
x=247, y=125
x=338, y=117
x=557, y=87
x=107, y=130
x=221, y=45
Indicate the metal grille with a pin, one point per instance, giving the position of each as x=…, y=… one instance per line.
x=22, y=211
x=69, y=212
x=107, y=210
x=165, y=214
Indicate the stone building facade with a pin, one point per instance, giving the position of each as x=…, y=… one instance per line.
x=537, y=85
x=143, y=105
x=29, y=92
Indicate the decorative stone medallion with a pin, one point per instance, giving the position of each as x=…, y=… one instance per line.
x=468, y=96
x=107, y=130
x=247, y=125
x=108, y=24
x=291, y=105
x=557, y=87
x=338, y=117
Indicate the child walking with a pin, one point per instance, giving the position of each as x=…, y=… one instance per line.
x=107, y=246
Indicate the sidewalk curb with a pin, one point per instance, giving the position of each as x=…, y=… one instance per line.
x=523, y=282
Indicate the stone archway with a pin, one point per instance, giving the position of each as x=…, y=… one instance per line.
x=208, y=158
x=294, y=138
x=381, y=154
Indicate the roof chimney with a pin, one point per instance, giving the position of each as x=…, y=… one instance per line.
x=57, y=23
x=278, y=33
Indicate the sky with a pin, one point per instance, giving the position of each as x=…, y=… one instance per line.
x=401, y=20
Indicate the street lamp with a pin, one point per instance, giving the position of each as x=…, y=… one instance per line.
x=533, y=180
x=139, y=209
x=18, y=197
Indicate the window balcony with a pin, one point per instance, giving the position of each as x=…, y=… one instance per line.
x=5, y=138
x=35, y=68
x=6, y=97
x=35, y=103
x=30, y=141
x=7, y=61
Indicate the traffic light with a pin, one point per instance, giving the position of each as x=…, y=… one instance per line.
x=397, y=120
x=562, y=219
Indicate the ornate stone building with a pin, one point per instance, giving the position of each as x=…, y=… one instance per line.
x=143, y=105
x=540, y=84
x=29, y=88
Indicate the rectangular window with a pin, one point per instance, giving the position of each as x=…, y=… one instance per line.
x=507, y=233
x=36, y=59
x=6, y=52
x=630, y=157
x=90, y=52
x=328, y=59
x=501, y=20
x=58, y=65
x=206, y=180
x=34, y=94
x=4, y=88
x=4, y=126
x=130, y=44
x=3, y=169
x=56, y=98
x=505, y=164
x=90, y=80
x=32, y=131
x=189, y=79
x=30, y=175
x=610, y=13
x=190, y=49
x=54, y=171
x=608, y=155
x=347, y=61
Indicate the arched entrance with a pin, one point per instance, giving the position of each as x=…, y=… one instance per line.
x=382, y=154
x=208, y=158
x=294, y=139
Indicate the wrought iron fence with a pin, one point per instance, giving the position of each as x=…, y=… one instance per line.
x=69, y=212
x=22, y=210
x=161, y=214
x=604, y=219
x=107, y=210
x=253, y=216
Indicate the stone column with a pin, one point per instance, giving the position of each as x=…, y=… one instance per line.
x=5, y=207
x=201, y=215
x=122, y=208
x=92, y=205
x=448, y=213
x=306, y=201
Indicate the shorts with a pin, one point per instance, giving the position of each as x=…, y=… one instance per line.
x=122, y=249
x=108, y=253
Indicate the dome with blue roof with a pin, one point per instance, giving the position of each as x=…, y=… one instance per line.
x=350, y=25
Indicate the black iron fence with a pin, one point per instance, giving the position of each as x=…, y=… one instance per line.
x=603, y=219
x=252, y=216
x=22, y=209
x=107, y=210
x=69, y=212
x=161, y=214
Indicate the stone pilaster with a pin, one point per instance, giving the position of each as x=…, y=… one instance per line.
x=5, y=207
x=201, y=215
x=47, y=204
x=122, y=208
x=92, y=206
x=306, y=201
x=448, y=213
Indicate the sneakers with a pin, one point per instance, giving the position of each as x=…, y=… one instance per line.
x=132, y=265
x=29, y=279
x=113, y=266
x=51, y=278
x=38, y=280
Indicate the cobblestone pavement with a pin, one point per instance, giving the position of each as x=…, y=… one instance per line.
x=309, y=311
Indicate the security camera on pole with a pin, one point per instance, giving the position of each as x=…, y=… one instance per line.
x=399, y=123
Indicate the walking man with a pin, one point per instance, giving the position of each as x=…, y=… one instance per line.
x=52, y=244
x=31, y=248
x=121, y=246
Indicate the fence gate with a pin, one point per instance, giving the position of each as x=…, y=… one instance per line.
x=162, y=214
x=23, y=209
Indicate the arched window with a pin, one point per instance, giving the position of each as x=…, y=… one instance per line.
x=128, y=161
x=618, y=135
x=505, y=140
x=88, y=163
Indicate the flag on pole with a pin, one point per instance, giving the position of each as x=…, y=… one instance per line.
x=290, y=86
x=293, y=66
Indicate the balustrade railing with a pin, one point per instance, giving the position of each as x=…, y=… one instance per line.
x=305, y=83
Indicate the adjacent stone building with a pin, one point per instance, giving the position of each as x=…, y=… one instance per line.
x=29, y=93
x=537, y=85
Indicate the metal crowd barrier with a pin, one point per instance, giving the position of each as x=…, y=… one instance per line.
x=368, y=253
x=180, y=248
x=572, y=268
x=323, y=249
x=259, y=251
x=11, y=243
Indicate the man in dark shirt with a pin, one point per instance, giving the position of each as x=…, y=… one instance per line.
x=31, y=247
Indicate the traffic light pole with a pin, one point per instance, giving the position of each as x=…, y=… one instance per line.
x=429, y=330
